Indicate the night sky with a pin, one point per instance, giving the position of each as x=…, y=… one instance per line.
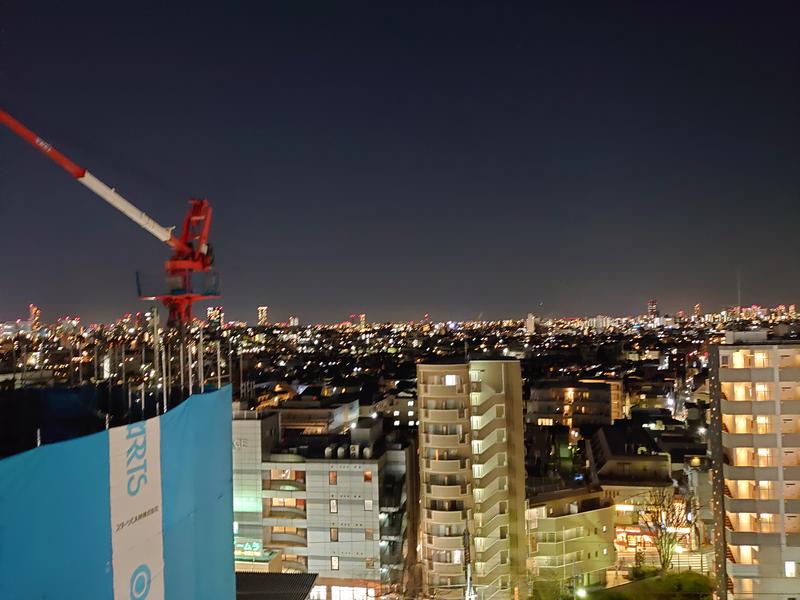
x=460, y=159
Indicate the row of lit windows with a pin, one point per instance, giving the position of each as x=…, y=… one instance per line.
x=333, y=477
x=369, y=534
x=369, y=563
x=334, y=505
x=319, y=592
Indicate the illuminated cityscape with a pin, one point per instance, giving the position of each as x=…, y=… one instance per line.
x=528, y=451
x=420, y=301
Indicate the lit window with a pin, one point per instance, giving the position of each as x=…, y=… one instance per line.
x=396, y=413
x=605, y=551
x=605, y=528
x=411, y=403
x=370, y=563
x=396, y=423
x=369, y=534
x=790, y=568
x=544, y=422
x=367, y=504
x=763, y=451
x=451, y=379
x=334, y=506
x=318, y=592
x=411, y=413
x=334, y=534
x=334, y=563
x=367, y=476
x=332, y=478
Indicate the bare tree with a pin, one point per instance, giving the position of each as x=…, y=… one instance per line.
x=664, y=515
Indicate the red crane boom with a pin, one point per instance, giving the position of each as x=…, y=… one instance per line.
x=191, y=251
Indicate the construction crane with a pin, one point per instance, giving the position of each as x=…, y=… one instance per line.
x=191, y=252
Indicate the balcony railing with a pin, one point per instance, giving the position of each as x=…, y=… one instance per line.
x=444, y=568
x=443, y=415
x=433, y=389
x=284, y=512
x=445, y=542
x=284, y=485
x=448, y=491
x=447, y=465
x=286, y=539
x=446, y=516
x=445, y=440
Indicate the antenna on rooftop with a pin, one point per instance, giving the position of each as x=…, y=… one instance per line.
x=738, y=288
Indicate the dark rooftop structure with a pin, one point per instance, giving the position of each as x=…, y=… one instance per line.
x=274, y=586
x=626, y=454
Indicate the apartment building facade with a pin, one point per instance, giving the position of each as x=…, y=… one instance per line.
x=570, y=540
x=331, y=504
x=572, y=403
x=472, y=478
x=755, y=444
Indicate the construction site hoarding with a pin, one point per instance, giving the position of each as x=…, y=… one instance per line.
x=141, y=511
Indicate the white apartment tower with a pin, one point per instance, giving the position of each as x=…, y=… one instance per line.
x=755, y=442
x=472, y=478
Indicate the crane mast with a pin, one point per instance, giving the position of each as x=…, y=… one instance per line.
x=191, y=250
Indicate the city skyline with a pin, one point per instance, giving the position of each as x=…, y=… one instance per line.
x=210, y=313
x=397, y=162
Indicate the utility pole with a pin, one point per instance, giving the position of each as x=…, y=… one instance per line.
x=469, y=592
x=200, y=361
x=219, y=368
x=123, y=363
x=156, y=367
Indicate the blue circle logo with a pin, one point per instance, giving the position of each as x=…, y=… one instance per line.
x=140, y=582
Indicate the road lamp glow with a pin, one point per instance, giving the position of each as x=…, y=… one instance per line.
x=580, y=593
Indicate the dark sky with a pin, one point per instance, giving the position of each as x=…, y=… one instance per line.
x=399, y=158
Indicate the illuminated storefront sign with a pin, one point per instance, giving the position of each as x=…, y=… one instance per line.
x=248, y=549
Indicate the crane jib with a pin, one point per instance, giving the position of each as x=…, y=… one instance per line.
x=191, y=253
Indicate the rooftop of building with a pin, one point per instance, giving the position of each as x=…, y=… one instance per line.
x=641, y=416
x=368, y=433
x=568, y=382
x=589, y=497
x=762, y=337
x=460, y=360
x=627, y=438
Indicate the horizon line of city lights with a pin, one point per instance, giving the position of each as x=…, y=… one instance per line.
x=652, y=314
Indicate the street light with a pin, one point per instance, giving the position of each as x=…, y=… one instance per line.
x=580, y=593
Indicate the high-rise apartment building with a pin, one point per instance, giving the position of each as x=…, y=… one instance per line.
x=35, y=317
x=530, y=324
x=652, y=308
x=215, y=315
x=472, y=478
x=755, y=445
x=263, y=316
